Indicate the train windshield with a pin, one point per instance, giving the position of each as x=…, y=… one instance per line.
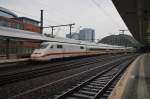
x=43, y=46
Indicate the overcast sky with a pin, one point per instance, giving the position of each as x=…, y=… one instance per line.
x=100, y=15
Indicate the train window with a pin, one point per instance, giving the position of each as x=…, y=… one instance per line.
x=42, y=46
x=81, y=47
x=59, y=46
x=52, y=46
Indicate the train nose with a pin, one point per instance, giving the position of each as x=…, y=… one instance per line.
x=36, y=55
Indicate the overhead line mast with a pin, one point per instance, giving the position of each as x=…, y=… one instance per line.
x=70, y=27
x=41, y=22
x=124, y=36
x=41, y=26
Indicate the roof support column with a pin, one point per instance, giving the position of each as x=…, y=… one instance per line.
x=7, y=47
x=140, y=17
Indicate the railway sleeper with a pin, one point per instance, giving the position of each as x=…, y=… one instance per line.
x=108, y=91
x=70, y=97
x=90, y=93
x=95, y=87
x=89, y=89
x=105, y=95
x=82, y=96
x=109, y=75
x=99, y=80
x=104, y=78
x=97, y=83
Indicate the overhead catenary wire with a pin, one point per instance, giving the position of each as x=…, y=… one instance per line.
x=59, y=12
x=113, y=8
x=101, y=8
x=30, y=15
x=56, y=11
x=48, y=21
x=35, y=17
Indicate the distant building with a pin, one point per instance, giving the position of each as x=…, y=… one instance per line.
x=121, y=40
x=87, y=34
x=73, y=36
x=29, y=24
x=28, y=21
x=18, y=47
x=11, y=20
x=67, y=35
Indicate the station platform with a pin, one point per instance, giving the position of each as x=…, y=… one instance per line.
x=135, y=82
x=3, y=61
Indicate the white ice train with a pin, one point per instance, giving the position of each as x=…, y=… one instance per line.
x=59, y=48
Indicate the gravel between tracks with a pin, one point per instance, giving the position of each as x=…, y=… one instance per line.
x=15, y=88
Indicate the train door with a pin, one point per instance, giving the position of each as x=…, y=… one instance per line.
x=59, y=51
x=86, y=49
x=69, y=50
x=63, y=50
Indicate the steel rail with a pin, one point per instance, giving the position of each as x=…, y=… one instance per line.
x=39, y=89
x=23, y=75
x=69, y=94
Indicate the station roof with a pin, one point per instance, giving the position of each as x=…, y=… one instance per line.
x=16, y=33
x=21, y=34
x=136, y=15
x=8, y=12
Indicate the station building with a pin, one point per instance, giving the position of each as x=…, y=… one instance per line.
x=86, y=34
x=17, y=47
x=10, y=19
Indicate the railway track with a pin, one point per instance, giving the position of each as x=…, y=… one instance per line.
x=97, y=87
x=24, y=74
x=54, y=89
